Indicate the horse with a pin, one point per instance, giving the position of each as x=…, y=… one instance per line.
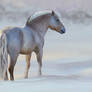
x=27, y=39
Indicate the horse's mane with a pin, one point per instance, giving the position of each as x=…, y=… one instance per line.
x=36, y=15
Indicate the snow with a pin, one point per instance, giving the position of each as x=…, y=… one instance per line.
x=53, y=79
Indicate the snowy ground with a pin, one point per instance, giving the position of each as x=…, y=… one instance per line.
x=67, y=64
x=57, y=76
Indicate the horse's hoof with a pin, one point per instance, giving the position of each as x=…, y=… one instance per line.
x=5, y=79
x=12, y=79
x=39, y=74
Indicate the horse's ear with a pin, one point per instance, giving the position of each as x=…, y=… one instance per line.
x=28, y=20
x=53, y=12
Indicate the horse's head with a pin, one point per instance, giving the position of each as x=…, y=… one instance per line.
x=56, y=24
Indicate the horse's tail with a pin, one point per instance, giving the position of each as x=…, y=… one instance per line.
x=3, y=55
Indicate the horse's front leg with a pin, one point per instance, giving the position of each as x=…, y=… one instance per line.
x=39, y=55
x=27, y=65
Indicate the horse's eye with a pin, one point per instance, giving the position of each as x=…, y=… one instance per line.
x=57, y=20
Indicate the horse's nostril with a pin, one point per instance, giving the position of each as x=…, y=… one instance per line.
x=63, y=30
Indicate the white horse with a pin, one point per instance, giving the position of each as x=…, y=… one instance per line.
x=30, y=38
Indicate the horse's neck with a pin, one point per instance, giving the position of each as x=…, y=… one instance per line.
x=40, y=25
x=41, y=28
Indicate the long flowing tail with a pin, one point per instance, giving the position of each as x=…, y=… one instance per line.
x=3, y=55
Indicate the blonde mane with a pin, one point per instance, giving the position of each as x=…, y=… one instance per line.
x=38, y=14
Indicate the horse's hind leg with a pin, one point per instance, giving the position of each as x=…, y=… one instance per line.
x=13, y=60
x=27, y=65
x=39, y=60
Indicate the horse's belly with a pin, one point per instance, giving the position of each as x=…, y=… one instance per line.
x=25, y=51
x=28, y=46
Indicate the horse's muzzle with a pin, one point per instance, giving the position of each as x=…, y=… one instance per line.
x=62, y=30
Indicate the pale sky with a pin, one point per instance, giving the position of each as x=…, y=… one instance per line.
x=67, y=5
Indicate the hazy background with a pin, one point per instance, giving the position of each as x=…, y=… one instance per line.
x=70, y=9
